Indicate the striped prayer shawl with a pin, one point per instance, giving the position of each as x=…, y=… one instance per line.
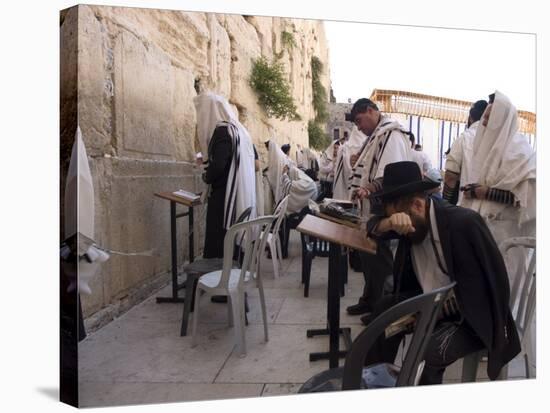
x=370, y=154
x=232, y=186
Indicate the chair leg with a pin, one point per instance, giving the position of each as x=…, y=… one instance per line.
x=309, y=261
x=238, y=319
x=273, y=251
x=503, y=375
x=529, y=373
x=279, y=252
x=230, y=316
x=469, y=367
x=195, y=316
x=264, y=312
x=190, y=286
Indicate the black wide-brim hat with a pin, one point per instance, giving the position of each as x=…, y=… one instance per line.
x=402, y=178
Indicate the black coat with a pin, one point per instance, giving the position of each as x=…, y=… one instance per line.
x=476, y=264
x=216, y=175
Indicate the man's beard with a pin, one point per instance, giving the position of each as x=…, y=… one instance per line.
x=421, y=229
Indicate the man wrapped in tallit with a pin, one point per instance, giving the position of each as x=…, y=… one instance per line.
x=502, y=176
x=286, y=179
x=387, y=142
x=343, y=171
x=311, y=163
x=326, y=168
x=229, y=168
x=457, y=165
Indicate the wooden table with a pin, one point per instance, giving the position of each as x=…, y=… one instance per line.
x=190, y=204
x=337, y=235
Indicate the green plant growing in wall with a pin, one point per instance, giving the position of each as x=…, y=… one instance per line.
x=287, y=40
x=318, y=138
x=273, y=89
x=319, y=91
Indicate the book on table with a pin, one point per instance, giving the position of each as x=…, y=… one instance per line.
x=187, y=195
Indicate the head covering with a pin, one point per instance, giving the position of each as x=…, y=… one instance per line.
x=434, y=175
x=503, y=159
x=276, y=161
x=477, y=110
x=213, y=111
x=286, y=148
x=344, y=169
x=402, y=178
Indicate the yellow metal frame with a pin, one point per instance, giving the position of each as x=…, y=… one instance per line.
x=436, y=107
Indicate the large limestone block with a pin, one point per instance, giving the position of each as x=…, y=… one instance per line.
x=184, y=114
x=183, y=36
x=265, y=32
x=245, y=46
x=144, y=87
x=68, y=93
x=95, y=84
x=138, y=221
x=219, y=58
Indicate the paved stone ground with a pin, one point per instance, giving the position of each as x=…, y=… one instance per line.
x=141, y=358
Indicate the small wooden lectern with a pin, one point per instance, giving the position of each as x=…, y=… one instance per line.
x=190, y=202
x=338, y=236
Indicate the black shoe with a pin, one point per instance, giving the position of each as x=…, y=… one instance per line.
x=219, y=299
x=367, y=319
x=359, y=308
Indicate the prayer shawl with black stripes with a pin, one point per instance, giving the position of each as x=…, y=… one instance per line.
x=388, y=143
x=344, y=171
x=213, y=111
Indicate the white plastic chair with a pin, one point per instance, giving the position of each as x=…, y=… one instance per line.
x=230, y=281
x=522, y=305
x=273, y=239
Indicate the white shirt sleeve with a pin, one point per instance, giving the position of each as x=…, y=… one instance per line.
x=454, y=158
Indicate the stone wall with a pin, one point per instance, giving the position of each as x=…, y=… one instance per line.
x=337, y=119
x=128, y=77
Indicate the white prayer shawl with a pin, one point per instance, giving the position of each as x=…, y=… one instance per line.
x=213, y=111
x=461, y=155
x=503, y=159
x=326, y=164
x=309, y=158
x=275, y=164
x=300, y=158
x=376, y=153
x=79, y=217
x=344, y=170
x=260, y=198
x=300, y=188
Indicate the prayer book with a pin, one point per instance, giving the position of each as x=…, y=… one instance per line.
x=187, y=195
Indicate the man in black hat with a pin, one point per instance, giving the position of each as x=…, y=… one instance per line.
x=440, y=243
x=461, y=154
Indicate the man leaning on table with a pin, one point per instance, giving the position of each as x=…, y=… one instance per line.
x=440, y=243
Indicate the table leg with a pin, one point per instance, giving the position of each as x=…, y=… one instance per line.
x=191, y=236
x=174, y=251
x=333, y=329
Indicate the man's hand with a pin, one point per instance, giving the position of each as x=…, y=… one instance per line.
x=285, y=169
x=399, y=222
x=360, y=193
x=353, y=158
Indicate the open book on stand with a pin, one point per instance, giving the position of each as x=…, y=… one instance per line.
x=341, y=209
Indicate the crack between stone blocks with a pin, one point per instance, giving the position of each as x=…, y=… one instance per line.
x=222, y=367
